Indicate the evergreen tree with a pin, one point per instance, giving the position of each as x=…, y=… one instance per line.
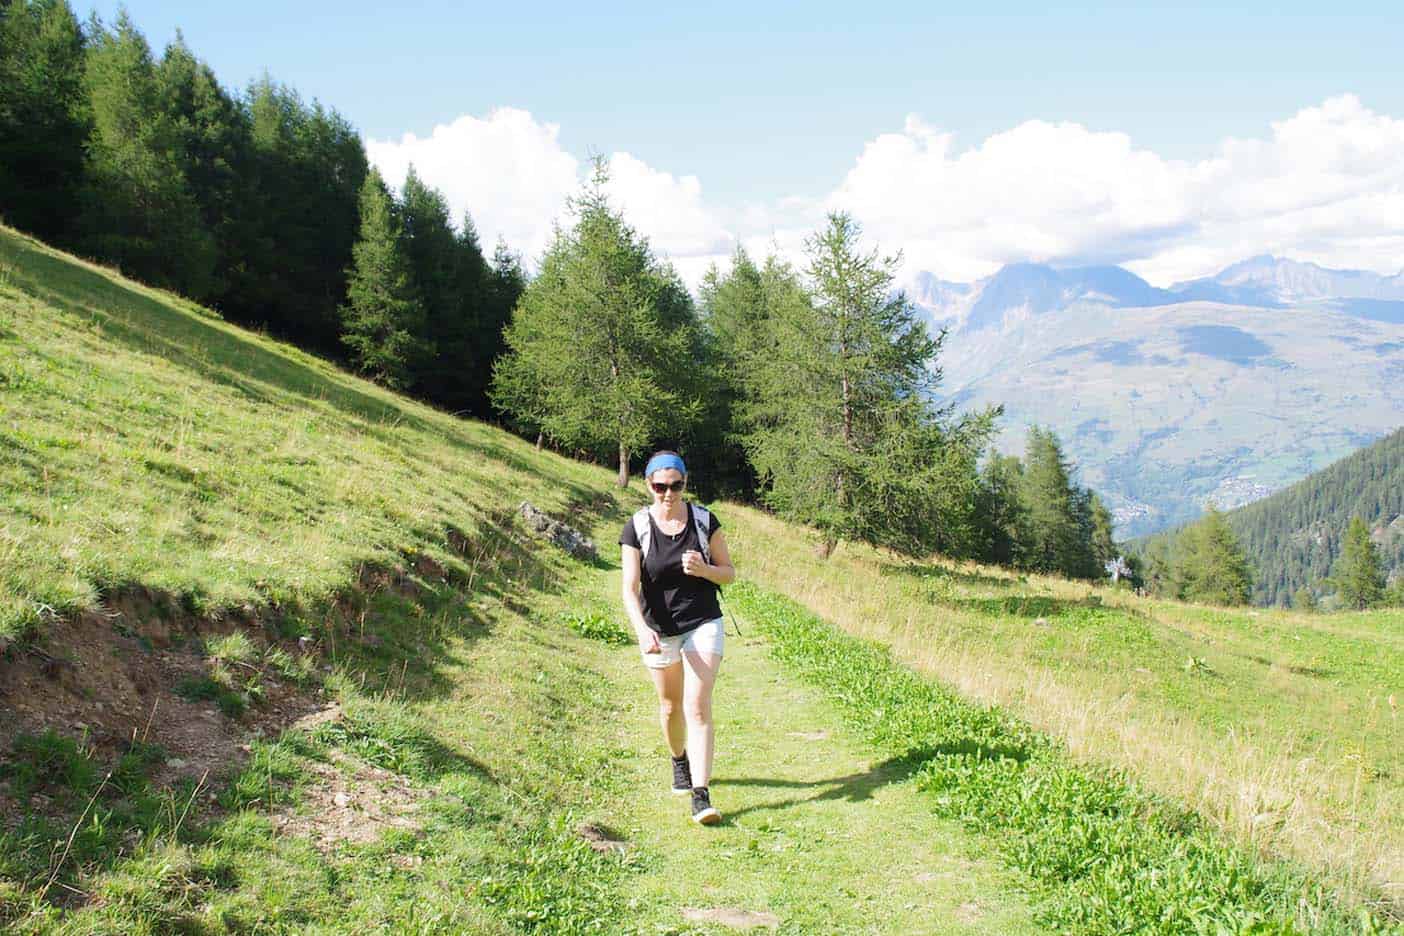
x=309, y=166
x=211, y=136
x=449, y=281
x=1005, y=521
x=1101, y=543
x=44, y=117
x=1394, y=595
x=600, y=341
x=383, y=316
x=1212, y=566
x=506, y=282
x=1158, y=568
x=839, y=428
x=1054, y=529
x=138, y=211
x=1304, y=599
x=1357, y=577
x=737, y=313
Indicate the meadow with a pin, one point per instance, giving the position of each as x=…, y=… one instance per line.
x=145, y=445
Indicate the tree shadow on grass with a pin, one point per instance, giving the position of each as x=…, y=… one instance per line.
x=858, y=787
x=944, y=573
x=1080, y=611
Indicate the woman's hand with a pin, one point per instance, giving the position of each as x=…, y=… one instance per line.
x=648, y=641
x=694, y=565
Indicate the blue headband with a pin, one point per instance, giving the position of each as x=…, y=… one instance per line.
x=660, y=462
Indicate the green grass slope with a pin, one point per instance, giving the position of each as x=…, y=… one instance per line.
x=147, y=444
x=144, y=441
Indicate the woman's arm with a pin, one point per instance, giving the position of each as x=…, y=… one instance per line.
x=632, y=561
x=721, y=571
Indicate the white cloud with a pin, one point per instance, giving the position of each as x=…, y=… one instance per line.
x=510, y=172
x=507, y=170
x=1327, y=185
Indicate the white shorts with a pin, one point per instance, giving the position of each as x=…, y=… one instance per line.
x=707, y=638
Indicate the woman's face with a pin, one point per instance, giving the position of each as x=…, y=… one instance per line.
x=668, y=479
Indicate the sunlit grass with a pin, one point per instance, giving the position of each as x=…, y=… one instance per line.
x=144, y=442
x=1278, y=726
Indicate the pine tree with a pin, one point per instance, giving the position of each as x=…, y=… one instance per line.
x=601, y=340
x=383, y=320
x=737, y=312
x=1101, y=542
x=1005, y=521
x=44, y=117
x=1051, y=503
x=840, y=430
x=1357, y=577
x=1304, y=599
x=211, y=136
x=138, y=211
x=448, y=281
x=309, y=166
x=1212, y=566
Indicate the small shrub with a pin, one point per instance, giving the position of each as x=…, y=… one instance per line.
x=232, y=648
x=596, y=626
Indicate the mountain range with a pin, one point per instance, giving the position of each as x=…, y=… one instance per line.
x=1221, y=389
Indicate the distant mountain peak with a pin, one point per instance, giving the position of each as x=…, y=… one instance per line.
x=1038, y=288
x=1029, y=288
x=1268, y=280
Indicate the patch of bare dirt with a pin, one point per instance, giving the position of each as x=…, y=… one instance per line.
x=733, y=917
x=107, y=678
x=354, y=802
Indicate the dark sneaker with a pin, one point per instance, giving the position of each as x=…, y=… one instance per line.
x=702, y=809
x=682, y=776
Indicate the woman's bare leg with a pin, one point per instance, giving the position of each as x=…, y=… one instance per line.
x=669, y=683
x=701, y=676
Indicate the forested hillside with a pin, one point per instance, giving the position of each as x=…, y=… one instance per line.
x=1294, y=536
x=253, y=202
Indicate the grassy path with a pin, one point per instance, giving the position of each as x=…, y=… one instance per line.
x=820, y=832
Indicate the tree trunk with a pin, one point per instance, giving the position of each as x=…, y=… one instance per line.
x=540, y=437
x=623, y=466
x=847, y=416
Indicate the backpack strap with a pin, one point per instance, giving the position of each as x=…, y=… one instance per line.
x=643, y=530
x=702, y=519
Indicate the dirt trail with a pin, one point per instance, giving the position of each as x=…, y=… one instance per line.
x=820, y=835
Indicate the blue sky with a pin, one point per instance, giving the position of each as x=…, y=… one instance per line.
x=764, y=103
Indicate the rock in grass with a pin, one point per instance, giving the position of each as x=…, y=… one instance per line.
x=562, y=536
x=602, y=838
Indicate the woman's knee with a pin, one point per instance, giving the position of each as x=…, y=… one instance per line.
x=667, y=707
x=698, y=711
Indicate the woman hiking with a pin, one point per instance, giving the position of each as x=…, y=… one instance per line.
x=674, y=557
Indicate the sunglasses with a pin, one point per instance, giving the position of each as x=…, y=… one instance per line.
x=659, y=487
